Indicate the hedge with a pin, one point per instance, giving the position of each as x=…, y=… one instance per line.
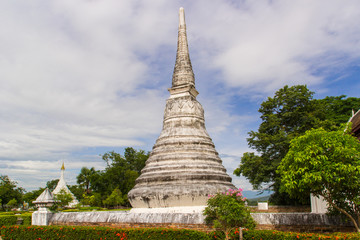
x=276, y=235
x=8, y=220
x=26, y=219
x=6, y=213
x=81, y=232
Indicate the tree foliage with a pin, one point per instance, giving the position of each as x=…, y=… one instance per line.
x=9, y=191
x=115, y=199
x=85, y=177
x=289, y=114
x=12, y=203
x=29, y=197
x=51, y=185
x=327, y=164
x=120, y=173
x=227, y=211
x=63, y=198
x=338, y=109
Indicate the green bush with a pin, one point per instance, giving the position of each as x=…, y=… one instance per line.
x=8, y=220
x=227, y=211
x=275, y=235
x=6, y=213
x=88, y=233
x=26, y=219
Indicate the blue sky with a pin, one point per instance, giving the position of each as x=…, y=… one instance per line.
x=79, y=78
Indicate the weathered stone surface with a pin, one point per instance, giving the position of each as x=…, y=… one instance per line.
x=298, y=219
x=183, y=167
x=41, y=217
x=192, y=218
x=180, y=216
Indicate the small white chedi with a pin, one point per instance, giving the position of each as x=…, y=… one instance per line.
x=62, y=185
x=43, y=215
x=184, y=166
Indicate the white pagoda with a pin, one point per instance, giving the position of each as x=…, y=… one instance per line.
x=184, y=166
x=62, y=185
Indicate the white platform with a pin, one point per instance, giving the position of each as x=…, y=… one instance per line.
x=194, y=209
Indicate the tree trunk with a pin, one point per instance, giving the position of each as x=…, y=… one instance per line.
x=328, y=199
x=240, y=233
x=227, y=232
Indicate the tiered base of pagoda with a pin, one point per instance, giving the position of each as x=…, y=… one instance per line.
x=182, y=195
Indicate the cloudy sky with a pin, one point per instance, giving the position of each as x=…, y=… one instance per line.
x=80, y=78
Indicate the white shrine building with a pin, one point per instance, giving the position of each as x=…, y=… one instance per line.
x=62, y=185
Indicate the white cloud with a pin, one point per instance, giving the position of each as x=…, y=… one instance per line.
x=79, y=74
x=263, y=45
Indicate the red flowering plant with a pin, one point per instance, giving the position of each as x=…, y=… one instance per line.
x=227, y=211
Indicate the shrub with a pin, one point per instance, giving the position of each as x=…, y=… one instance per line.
x=8, y=220
x=6, y=213
x=226, y=211
x=26, y=219
x=70, y=233
x=89, y=233
x=275, y=235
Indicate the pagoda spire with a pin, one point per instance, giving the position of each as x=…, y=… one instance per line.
x=183, y=72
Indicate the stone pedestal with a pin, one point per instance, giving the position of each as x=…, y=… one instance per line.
x=41, y=217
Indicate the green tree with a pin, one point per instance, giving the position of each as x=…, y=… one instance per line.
x=287, y=115
x=9, y=191
x=12, y=203
x=51, y=185
x=120, y=173
x=115, y=199
x=338, y=109
x=227, y=211
x=29, y=197
x=136, y=158
x=85, y=177
x=63, y=198
x=327, y=164
x=77, y=190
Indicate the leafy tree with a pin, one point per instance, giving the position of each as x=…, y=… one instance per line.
x=120, y=173
x=227, y=211
x=9, y=191
x=285, y=116
x=29, y=197
x=63, y=198
x=327, y=164
x=136, y=158
x=85, y=177
x=338, y=109
x=12, y=203
x=77, y=190
x=289, y=114
x=115, y=199
x=51, y=185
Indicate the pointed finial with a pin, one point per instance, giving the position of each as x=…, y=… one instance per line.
x=181, y=17
x=183, y=73
x=63, y=166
